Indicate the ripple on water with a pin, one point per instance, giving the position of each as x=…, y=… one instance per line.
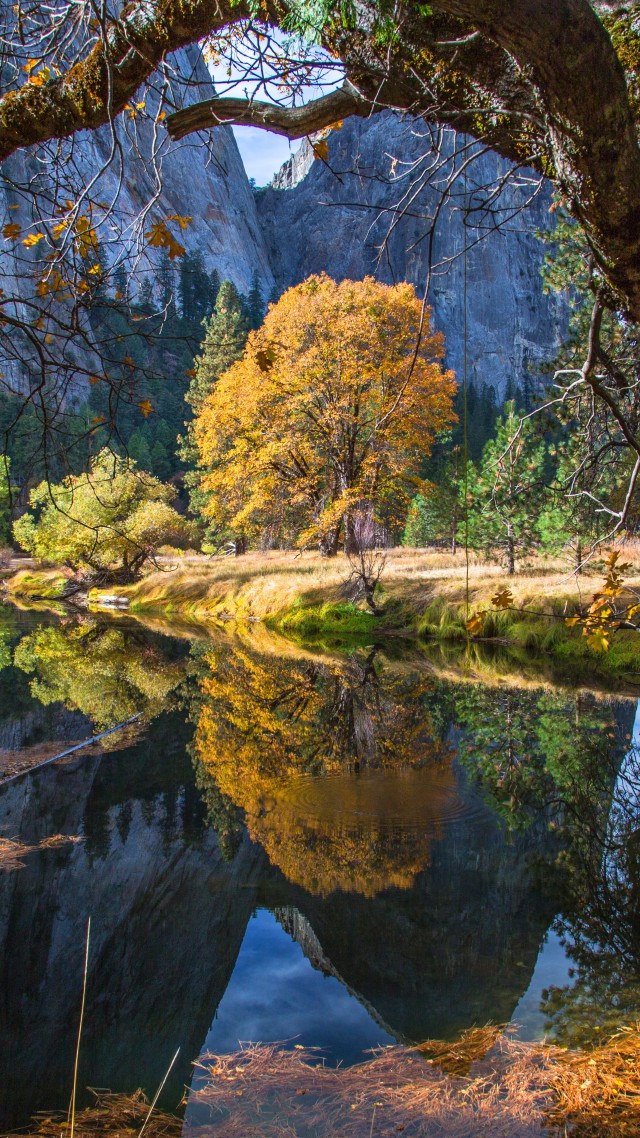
x=406, y=799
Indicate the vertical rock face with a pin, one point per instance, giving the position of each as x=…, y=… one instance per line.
x=138, y=169
x=343, y=217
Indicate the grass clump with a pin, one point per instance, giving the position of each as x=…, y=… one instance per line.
x=48, y=584
x=304, y=621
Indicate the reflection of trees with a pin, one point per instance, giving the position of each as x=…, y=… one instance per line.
x=265, y=719
x=542, y=752
x=109, y=673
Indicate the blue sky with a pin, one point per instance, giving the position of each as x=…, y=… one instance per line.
x=262, y=153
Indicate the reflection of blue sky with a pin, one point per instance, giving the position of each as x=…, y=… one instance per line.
x=276, y=994
x=552, y=968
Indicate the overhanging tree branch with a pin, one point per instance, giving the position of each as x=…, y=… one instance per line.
x=292, y=122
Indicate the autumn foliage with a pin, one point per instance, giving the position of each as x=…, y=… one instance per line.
x=329, y=412
x=282, y=741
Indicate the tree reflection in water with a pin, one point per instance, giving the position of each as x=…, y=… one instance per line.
x=536, y=752
x=107, y=672
x=265, y=722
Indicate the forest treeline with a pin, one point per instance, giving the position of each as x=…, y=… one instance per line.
x=328, y=420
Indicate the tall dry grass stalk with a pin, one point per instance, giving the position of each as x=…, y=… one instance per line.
x=72, y=1107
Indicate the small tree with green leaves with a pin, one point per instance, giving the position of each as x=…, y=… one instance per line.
x=109, y=521
x=571, y=522
x=505, y=492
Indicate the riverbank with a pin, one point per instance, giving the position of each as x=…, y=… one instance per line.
x=486, y=1082
x=423, y=594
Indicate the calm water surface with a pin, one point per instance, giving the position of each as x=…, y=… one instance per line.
x=334, y=849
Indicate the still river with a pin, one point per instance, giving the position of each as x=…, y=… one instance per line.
x=331, y=848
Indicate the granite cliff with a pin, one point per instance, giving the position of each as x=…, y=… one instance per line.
x=339, y=216
x=334, y=216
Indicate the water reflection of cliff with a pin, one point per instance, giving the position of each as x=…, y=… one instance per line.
x=168, y=916
x=398, y=830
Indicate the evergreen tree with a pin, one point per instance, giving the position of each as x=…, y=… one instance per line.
x=224, y=341
x=197, y=291
x=167, y=284
x=505, y=491
x=145, y=296
x=120, y=282
x=254, y=305
x=225, y=337
x=571, y=523
x=433, y=517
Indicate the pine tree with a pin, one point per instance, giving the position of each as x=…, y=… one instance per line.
x=120, y=282
x=505, y=492
x=224, y=341
x=167, y=284
x=255, y=306
x=145, y=296
x=197, y=291
x=571, y=523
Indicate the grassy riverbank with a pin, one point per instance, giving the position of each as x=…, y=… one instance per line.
x=485, y=1083
x=422, y=594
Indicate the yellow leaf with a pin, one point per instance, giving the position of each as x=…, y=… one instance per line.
x=571, y=621
x=59, y=229
x=475, y=623
x=321, y=149
x=12, y=229
x=598, y=640
x=95, y=270
x=503, y=599
x=160, y=237
x=145, y=407
x=93, y=379
x=32, y=239
x=183, y=222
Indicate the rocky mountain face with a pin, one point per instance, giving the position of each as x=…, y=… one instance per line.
x=144, y=172
x=369, y=208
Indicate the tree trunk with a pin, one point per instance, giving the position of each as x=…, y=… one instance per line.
x=329, y=543
x=511, y=555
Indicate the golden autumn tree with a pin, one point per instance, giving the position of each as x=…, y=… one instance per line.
x=329, y=413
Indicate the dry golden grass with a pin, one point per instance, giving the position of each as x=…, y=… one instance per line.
x=118, y=1116
x=485, y=1084
x=13, y=851
x=261, y=585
